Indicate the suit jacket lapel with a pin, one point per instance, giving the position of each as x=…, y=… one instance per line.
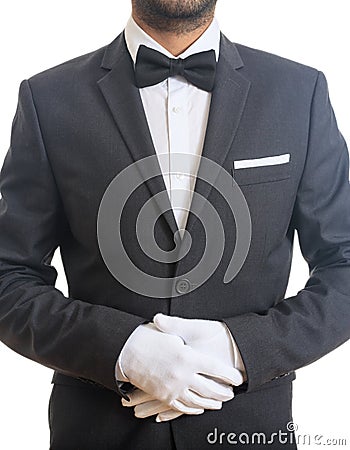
x=227, y=105
x=123, y=99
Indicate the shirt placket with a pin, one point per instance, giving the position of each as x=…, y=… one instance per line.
x=178, y=126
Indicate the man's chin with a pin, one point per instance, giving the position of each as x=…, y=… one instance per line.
x=176, y=9
x=175, y=16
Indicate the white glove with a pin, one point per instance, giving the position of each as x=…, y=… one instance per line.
x=210, y=337
x=145, y=406
x=164, y=367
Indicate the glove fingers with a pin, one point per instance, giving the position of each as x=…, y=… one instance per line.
x=181, y=406
x=175, y=325
x=192, y=400
x=207, y=387
x=136, y=398
x=222, y=372
x=203, y=402
x=168, y=415
x=150, y=409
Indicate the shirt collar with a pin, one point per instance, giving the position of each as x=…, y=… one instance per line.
x=135, y=36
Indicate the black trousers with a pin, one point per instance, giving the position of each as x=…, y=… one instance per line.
x=86, y=417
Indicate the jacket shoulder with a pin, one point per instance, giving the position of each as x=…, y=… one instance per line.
x=276, y=68
x=251, y=54
x=79, y=68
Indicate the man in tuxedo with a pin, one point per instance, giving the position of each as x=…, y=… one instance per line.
x=155, y=354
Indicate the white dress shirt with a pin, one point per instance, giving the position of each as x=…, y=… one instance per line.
x=177, y=115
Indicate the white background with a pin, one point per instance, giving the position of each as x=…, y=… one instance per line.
x=37, y=34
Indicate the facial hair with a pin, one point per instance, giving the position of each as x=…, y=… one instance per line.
x=175, y=16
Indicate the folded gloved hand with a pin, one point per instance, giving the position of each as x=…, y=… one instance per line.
x=181, y=378
x=210, y=337
x=145, y=406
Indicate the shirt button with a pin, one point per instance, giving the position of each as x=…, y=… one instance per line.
x=177, y=109
x=180, y=176
x=183, y=286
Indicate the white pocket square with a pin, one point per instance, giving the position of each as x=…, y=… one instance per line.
x=259, y=162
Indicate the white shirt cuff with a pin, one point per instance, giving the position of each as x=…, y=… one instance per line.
x=238, y=361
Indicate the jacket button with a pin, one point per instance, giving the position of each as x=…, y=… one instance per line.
x=183, y=286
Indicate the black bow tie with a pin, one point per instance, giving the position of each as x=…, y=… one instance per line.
x=152, y=67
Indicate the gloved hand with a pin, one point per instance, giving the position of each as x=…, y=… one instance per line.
x=211, y=337
x=145, y=405
x=163, y=366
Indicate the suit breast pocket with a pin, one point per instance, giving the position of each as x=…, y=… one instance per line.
x=261, y=170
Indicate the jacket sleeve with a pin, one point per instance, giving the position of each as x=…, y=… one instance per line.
x=303, y=328
x=70, y=335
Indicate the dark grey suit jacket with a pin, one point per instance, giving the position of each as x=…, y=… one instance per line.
x=79, y=124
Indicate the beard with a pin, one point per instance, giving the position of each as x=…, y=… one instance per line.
x=175, y=16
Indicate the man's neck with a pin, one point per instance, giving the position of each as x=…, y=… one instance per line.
x=174, y=43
